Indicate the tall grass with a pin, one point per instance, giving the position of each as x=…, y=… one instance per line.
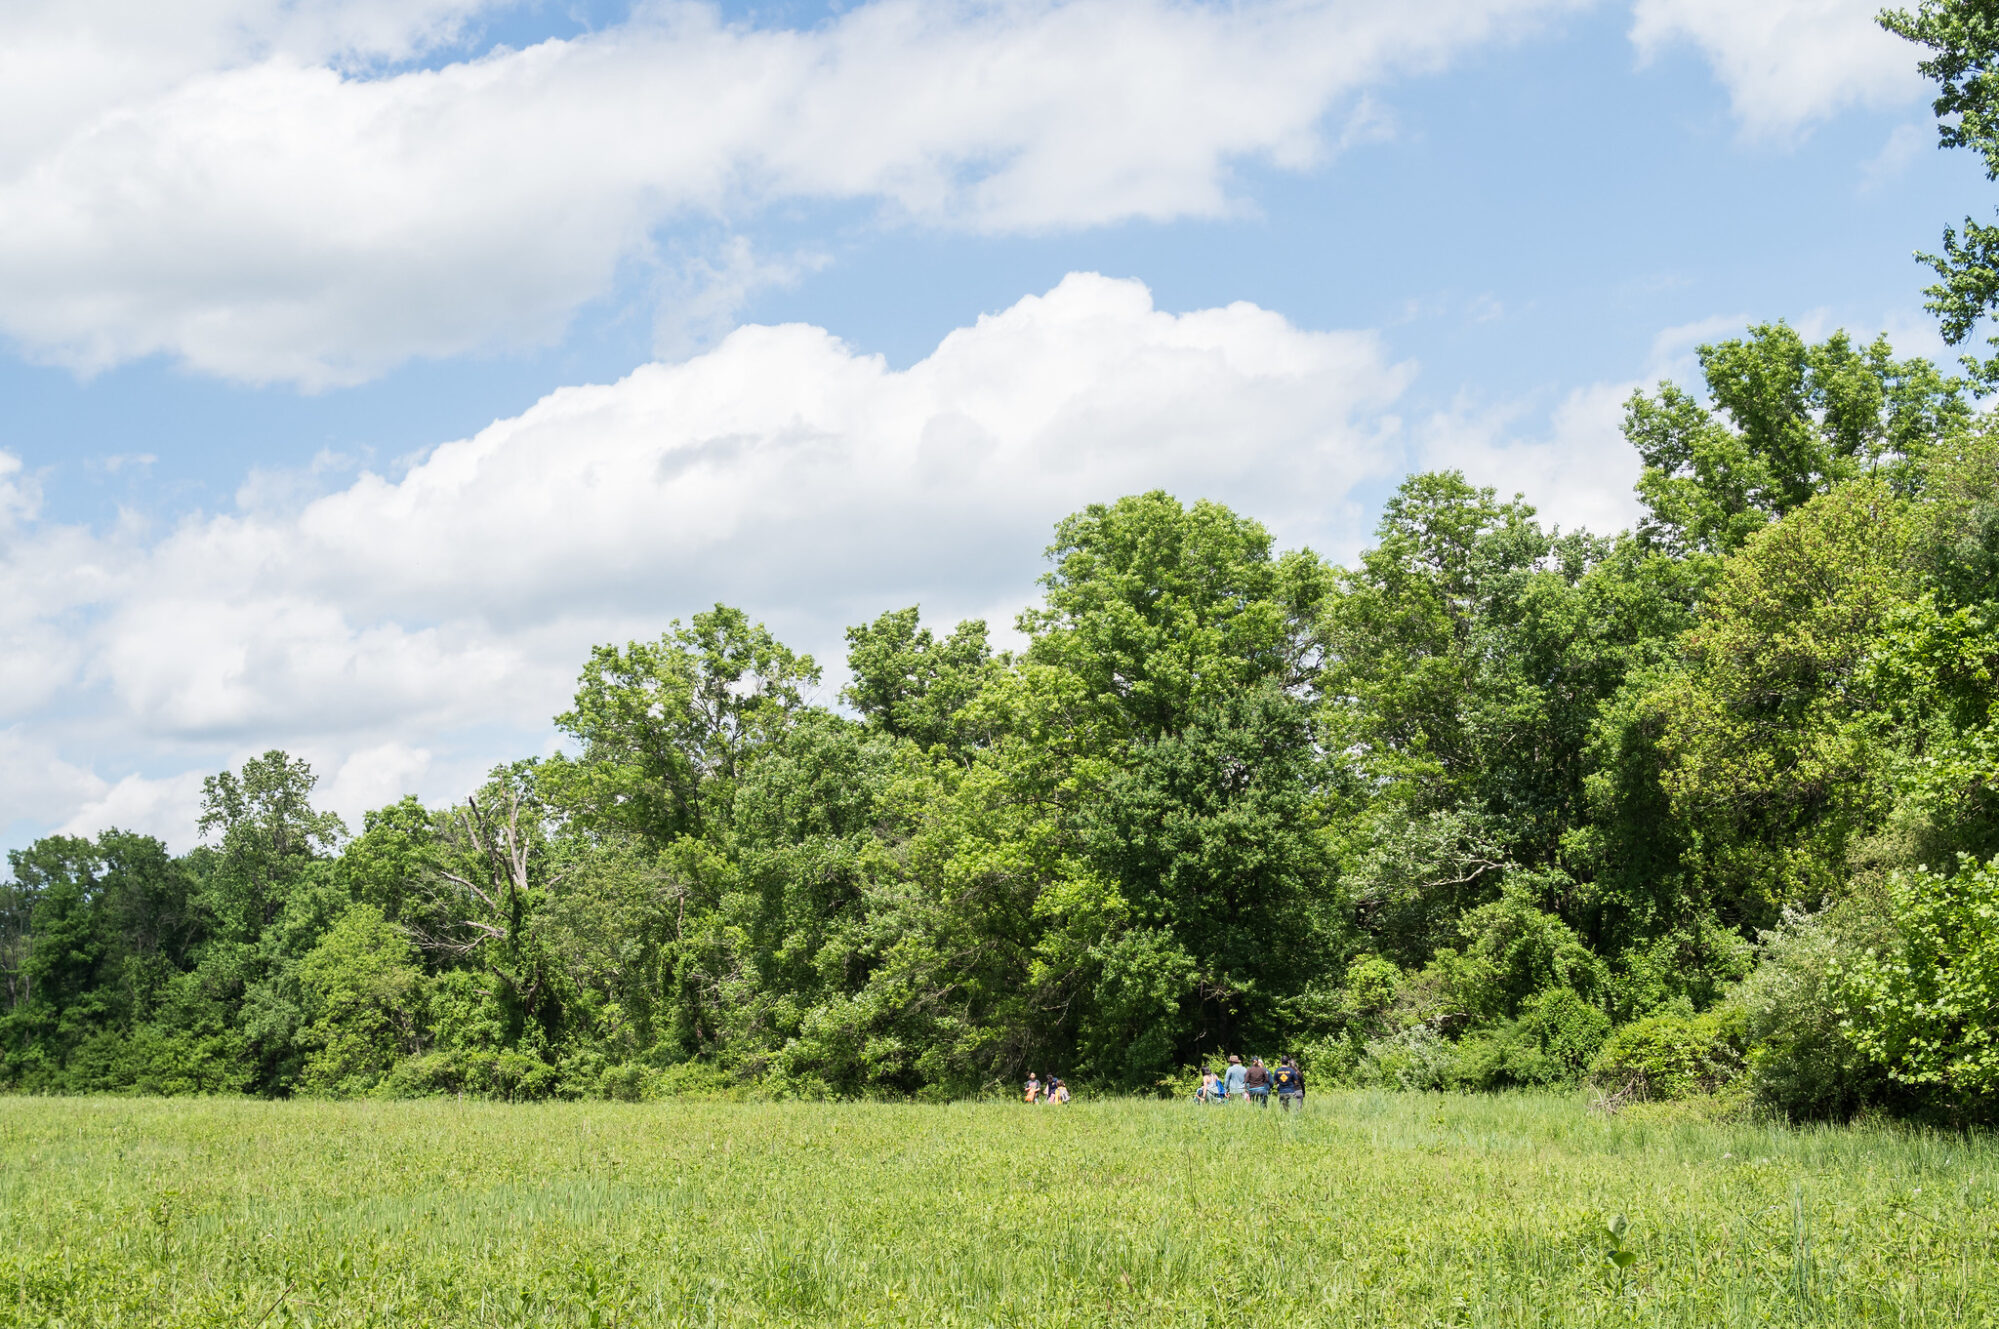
x=1366, y=1209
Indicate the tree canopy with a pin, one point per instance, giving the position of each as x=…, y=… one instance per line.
x=1714, y=798
x=1460, y=813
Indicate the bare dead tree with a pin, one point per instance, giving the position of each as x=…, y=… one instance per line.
x=496, y=898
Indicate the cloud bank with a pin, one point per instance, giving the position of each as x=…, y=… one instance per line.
x=405, y=630
x=310, y=191
x=247, y=186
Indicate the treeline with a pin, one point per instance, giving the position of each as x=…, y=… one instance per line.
x=1709, y=804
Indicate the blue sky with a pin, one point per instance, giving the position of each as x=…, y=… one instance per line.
x=283, y=281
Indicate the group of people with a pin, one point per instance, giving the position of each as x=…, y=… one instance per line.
x=1055, y=1091
x=1253, y=1083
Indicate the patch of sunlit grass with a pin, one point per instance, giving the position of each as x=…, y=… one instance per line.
x=1365, y=1209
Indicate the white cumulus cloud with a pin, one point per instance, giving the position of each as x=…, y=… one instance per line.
x=404, y=630
x=239, y=187
x=1786, y=63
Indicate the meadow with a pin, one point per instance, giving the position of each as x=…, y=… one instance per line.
x=1366, y=1209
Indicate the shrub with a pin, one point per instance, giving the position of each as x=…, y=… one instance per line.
x=1498, y=1058
x=153, y=1059
x=431, y=1074
x=628, y=1082
x=1922, y=1009
x=1328, y=1061
x=1568, y=1030
x=1675, y=1052
x=1417, y=1058
x=1803, y=1061
x=696, y=1079
x=1370, y=986
x=513, y=1076
x=1551, y=1043
x=1520, y=950
x=362, y=988
x=1693, y=965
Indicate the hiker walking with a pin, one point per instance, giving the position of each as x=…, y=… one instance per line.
x=1058, y=1091
x=1256, y=1083
x=1290, y=1084
x=1233, y=1082
x=1033, y=1088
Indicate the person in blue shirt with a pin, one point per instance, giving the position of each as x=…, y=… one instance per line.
x=1232, y=1083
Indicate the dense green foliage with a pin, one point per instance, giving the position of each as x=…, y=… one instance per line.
x=1707, y=802
x=1712, y=803
x=1364, y=1209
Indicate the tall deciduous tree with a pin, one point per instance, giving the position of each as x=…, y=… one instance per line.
x=1776, y=757
x=1157, y=610
x=1962, y=37
x=667, y=726
x=907, y=683
x=1786, y=421
x=267, y=833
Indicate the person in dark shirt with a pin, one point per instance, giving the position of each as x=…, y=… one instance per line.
x=1290, y=1084
x=1256, y=1082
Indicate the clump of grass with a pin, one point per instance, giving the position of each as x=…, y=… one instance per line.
x=1366, y=1209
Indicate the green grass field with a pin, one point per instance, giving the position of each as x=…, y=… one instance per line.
x=1367, y=1209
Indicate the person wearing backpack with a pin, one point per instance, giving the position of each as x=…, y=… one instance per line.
x=1290, y=1084
x=1256, y=1083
